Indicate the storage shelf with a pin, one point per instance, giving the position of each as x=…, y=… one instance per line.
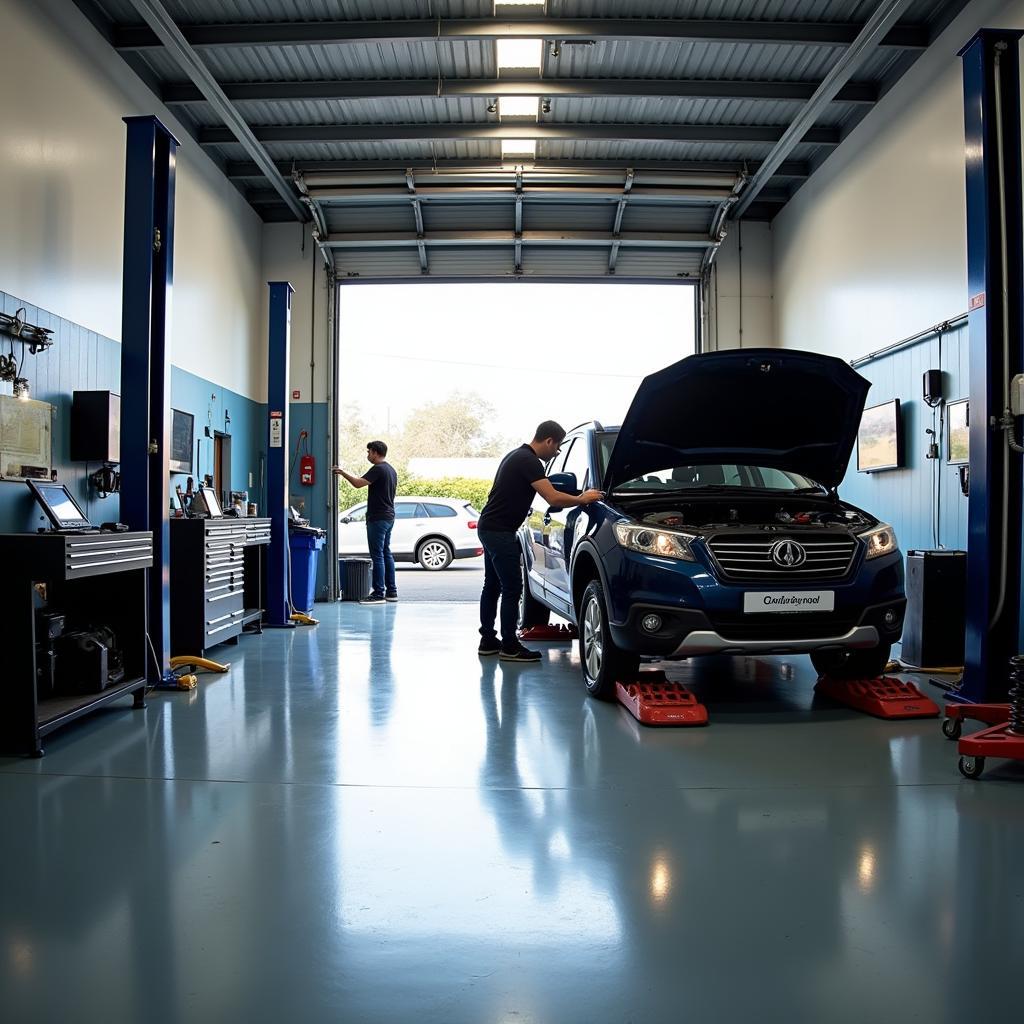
x=57, y=711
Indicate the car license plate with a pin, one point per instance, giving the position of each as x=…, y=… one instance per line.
x=790, y=601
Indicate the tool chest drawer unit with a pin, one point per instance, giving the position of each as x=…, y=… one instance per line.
x=215, y=580
x=94, y=585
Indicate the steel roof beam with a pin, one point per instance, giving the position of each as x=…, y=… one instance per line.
x=588, y=239
x=512, y=192
x=303, y=33
x=164, y=27
x=885, y=15
x=387, y=88
x=424, y=132
x=383, y=172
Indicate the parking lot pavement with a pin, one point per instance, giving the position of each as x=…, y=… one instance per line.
x=460, y=582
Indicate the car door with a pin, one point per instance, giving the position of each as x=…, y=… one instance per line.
x=536, y=528
x=410, y=523
x=352, y=534
x=560, y=522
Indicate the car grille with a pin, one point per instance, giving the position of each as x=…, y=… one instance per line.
x=748, y=558
x=784, y=626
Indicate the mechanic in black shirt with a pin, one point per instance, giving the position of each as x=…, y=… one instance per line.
x=382, y=480
x=520, y=476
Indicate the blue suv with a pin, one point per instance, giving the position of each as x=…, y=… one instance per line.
x=721, y=531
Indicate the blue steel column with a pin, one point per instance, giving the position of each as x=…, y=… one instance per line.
x=993, y=229
x=277, y=451
x=147, y=280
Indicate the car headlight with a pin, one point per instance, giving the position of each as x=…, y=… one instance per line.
x=880, y=541
x=661, y=543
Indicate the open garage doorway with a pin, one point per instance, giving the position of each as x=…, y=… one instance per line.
x=453, y=375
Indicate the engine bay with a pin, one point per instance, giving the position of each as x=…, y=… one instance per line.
x=757, y=513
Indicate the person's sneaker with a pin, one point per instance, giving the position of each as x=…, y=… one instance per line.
x=373, y=599
x=391, y=598
x=520, y=653
x=488, y=648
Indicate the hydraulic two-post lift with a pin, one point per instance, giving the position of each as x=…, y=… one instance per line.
x=995, y=272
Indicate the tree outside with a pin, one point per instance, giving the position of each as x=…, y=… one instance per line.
x=457, y=426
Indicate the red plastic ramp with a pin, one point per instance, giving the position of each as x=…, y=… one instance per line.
x=652, y=700
x=547, y=632
x=884, y=697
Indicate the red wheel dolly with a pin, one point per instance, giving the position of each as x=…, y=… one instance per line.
x=548, y=632
x=1005, y=738
x=652, y=700
x=957, y=714
x=884, y=697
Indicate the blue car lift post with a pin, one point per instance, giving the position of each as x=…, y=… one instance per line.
x=278, y=596
x=147, y=278
x=995, y=266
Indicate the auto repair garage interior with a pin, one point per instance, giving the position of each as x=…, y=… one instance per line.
x=222, y=802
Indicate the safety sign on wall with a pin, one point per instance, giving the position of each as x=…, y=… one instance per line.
x=276, y=429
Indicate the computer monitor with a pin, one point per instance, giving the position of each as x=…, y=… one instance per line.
x=61, y=509
x=208, y=497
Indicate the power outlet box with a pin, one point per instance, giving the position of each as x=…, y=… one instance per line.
x=1017, y=395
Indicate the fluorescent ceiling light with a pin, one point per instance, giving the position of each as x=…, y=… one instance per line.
x=520, y=53
x=517, y=149
x=520, y=5
x=518, y=106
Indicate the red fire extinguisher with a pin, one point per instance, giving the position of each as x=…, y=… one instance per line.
x=307, y=471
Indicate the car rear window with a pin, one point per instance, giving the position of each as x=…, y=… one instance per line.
x=440, y=511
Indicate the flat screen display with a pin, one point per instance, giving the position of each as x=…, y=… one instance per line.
x=181, y=441
x=878, y=439
x=958, y=433
x=60, y=508
x=212, y=504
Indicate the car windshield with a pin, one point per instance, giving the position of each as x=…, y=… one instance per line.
x=711, y=475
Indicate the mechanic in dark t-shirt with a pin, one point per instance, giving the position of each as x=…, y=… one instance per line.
x=382, y=481
x=520, y=476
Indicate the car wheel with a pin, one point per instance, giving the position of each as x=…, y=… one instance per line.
x=531, y=611
x=435, y=554
x=603, y=663
x=867, y=664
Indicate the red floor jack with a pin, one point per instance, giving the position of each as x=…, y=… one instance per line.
x=884, y=697
x=1004, y=738
x=548, y=632
x=652, y=700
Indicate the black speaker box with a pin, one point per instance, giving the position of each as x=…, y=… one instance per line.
x=95, y=426
x=933, y=632
x=931, y=386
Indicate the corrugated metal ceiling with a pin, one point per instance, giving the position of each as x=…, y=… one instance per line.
x=448, y=60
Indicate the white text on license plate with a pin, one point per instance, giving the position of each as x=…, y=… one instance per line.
x=790, y=601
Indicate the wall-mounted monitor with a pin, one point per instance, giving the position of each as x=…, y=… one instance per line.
x=182, y=424
x=958, y=432
x=879, y=439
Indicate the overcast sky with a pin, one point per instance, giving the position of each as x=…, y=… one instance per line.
x=570, y=352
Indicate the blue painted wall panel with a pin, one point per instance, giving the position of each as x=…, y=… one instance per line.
x=909, y=498
x=82, y=360
x=312, y=416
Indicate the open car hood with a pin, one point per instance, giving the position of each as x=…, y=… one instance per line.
x=778, y=408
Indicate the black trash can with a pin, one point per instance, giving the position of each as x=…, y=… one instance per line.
x=354, y=578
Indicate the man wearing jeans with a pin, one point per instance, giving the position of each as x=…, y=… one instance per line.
x=382, y=481
x=520, y=476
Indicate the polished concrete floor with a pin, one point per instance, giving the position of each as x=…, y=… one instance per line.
x=365, y=822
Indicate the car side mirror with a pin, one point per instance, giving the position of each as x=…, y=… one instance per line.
x=565, y=482
x=347, y=520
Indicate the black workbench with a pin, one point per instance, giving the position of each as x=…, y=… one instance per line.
x=217, y=581
x=94, y=580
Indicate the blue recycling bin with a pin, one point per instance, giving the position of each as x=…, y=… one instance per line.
x=304, y=547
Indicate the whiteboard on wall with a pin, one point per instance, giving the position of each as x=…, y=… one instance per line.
x=26, y=439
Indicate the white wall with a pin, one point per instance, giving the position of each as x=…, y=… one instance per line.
x=741, y=301
x=874, y=247
x=289, y=254
x=63, y=92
